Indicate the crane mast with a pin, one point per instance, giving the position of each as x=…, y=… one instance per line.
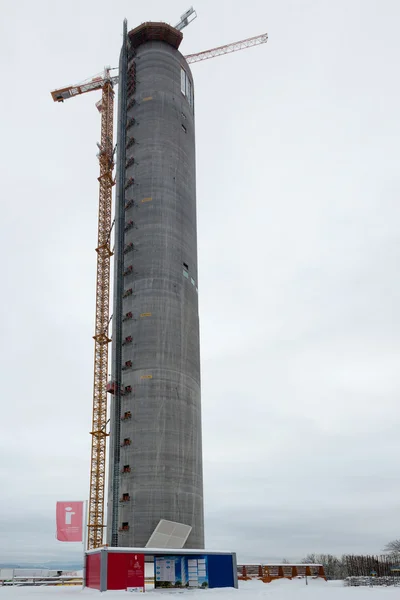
x=101, y=339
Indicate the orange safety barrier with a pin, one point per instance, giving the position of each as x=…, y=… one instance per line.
x=243, y=576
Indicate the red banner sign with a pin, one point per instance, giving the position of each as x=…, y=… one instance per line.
x=69, y=516
x=135, y=578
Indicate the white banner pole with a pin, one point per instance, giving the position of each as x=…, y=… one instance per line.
x=84, y=540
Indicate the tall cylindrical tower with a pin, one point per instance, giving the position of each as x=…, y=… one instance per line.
x=155, y=445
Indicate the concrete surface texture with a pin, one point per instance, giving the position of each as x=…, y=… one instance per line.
x=156, y=448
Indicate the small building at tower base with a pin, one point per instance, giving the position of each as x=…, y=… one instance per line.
x=114, y=568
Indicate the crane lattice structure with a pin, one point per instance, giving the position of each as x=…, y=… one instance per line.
x=101, y=340
x=228, y=48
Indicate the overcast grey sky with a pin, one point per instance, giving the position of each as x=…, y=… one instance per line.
x=298, y=221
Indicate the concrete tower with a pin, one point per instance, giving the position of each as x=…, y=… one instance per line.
x=155, y=467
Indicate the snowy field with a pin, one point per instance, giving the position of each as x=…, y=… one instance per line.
x=277, y=590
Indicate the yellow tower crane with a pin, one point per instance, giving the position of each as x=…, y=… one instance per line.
x=101, y=339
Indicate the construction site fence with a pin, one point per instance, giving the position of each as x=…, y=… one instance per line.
x=372, y=581
x=363, y=566
x=41, y=581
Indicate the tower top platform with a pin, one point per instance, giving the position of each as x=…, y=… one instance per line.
x=161, y=32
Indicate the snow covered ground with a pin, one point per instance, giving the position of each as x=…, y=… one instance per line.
x=249, y=590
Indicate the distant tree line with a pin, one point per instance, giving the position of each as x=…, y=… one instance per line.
x=334, y=567
x=350, y=565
